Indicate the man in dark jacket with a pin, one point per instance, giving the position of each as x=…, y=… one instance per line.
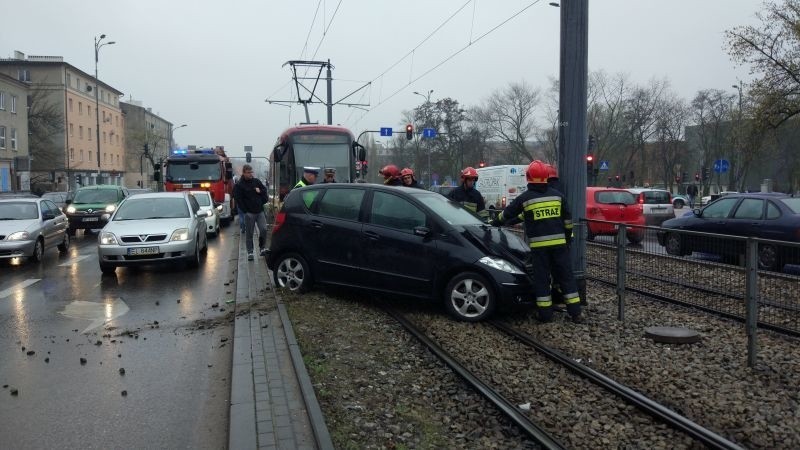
x=251, y=195
x=467, y=195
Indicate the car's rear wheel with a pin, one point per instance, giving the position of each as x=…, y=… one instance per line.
x=64, y=245
x=769, y=257
x=292, y=273
x=635, y=237
x=674, y=244
x=107, y=269
x=678, y=204
x=38, y=250
x=469, y=297
x=590, y=236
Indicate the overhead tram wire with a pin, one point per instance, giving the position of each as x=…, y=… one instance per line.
x=451, y=56
x=310, y=27
x=325, y=32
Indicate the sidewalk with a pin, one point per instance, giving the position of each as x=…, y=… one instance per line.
x=273, y=405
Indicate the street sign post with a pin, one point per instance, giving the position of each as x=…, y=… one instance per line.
x=603, y=165
x=386, y=131
x=721, y=165
x=429, y=132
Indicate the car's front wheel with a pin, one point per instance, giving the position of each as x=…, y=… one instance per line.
x=678, y=204
x=769, y=258
x=38, y=250
x=107, y=269
x=292, y=273
x=674, y=244
x=193, y=260
x=469, y=297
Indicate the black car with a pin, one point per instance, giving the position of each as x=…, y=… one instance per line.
x=397, y=240
x=762, y=215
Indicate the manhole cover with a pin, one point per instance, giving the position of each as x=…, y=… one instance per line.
x=672, y=335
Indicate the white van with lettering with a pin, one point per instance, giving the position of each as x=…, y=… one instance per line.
x=499, y=185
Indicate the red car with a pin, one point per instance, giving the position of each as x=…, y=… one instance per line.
x=613, y=205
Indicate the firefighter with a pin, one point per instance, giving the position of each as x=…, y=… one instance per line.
x=548, y=230
x=407, y=177
x=391, y=175
x=330, y=175
x=309, y=177
x=555, y=290
x=552, y=178
x=467, y=195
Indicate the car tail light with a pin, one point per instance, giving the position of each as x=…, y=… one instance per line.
x=280, y=218
x=640, y=199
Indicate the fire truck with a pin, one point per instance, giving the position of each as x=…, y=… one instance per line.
x=205, y=169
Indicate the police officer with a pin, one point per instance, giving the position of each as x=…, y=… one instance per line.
x=407, y=177
x=309, y=177
x=548, y=229
x=330, y=175
x=391, y=175
x=467, y=195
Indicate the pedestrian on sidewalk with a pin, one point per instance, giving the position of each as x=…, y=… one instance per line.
x=251, y=196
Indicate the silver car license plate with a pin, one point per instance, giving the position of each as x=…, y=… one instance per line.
x=143, y=251
x=91, y=219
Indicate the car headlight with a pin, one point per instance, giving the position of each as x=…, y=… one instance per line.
x=219, y=208
x=106, y=238
x=18, y=236
x=70, y=209
x=111, y=208
x=500, y=264
x=181, y=234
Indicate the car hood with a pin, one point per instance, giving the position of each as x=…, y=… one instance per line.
x=495, y=241
x=12, y=226
x=148, y=226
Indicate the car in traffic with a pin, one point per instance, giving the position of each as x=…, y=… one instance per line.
x=656, y=204
x=398, y=241
x=709, y=198
x=206, y=203
x=763, y=215
x=59, y=198
x=613, y=205
x=91, y=202
x=679, y=201
x=31, y=226
x=161, y=227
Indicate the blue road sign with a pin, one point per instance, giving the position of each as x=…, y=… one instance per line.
x=429, y=132
x=721, y=165
x=386, y=131
x=603, y=165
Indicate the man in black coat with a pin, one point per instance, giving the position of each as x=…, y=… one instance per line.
x=250, y=195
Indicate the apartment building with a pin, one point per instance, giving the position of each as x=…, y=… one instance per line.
x=143, y=127
x=14, y=156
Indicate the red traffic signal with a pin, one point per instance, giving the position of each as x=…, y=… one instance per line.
x=481, y=164
x=696, y=177
x=589, y=158
x=409, y=132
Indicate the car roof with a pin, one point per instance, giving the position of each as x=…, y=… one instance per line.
x=758, y=194
x=639, y=190
x=99, y=186
x=600, y=188
x=162, y=194
x=20, y=199
x=200, y=192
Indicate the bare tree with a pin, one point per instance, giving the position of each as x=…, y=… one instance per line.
x=640, y=118
x=508, y=114
x=711, y=112
x=607, y=99
x=672, y=116
x=45, y=139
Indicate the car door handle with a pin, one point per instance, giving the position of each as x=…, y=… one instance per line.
x=316, y=224
x=372, y=235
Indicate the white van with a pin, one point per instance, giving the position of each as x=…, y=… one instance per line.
x=499, y=185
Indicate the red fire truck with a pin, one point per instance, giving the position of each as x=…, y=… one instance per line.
x=206, y=169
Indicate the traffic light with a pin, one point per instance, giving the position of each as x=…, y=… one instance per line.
x=706, y=173
x=590, y=147
x=364, y=168
x=481, y=164
x=78, y=179
x=697, y=176
x=590, y=164
x=248, y=157
x=409, y=132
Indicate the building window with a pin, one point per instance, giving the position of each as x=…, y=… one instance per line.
x=104, y=157
x=24, y=75
x=71, y=130
x=104, y=116
x=90, y=156
x=2, y=137
x=2, y=100
x=80, y=132
x=89, y=110
x=70, y=105
x=14, y=139
x=69, y=80
x=104, y=137
x=89, y=133
x=117, y=159
x=78, y=84
x=13, y=103
x=80, y=108
x=81, y=155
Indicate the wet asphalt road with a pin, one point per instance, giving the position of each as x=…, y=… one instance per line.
x=156, y=323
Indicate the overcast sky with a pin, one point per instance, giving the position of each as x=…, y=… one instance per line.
x=211, y=64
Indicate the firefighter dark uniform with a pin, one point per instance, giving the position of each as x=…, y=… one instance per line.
x=407, y=178
x=548, y=230
x=391, y=175
x=467, y=195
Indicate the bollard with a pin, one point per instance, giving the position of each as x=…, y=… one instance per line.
x=751, y=299
x=621, y=268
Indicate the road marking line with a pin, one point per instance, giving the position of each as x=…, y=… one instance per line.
x=98, y=313
x=18, y=287
x=73, y=261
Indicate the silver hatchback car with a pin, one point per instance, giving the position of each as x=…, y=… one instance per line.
x=161, y=227
x=29, y=226
x=656, y=204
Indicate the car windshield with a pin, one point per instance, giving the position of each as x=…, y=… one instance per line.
x=54, y=196
x=793, y=204
x=18, y=211
x=320, y=155
x=613, y=197
x=96, y=196
x=203, y=199
x=152, y=208
x=191, y=171
x=450, y=211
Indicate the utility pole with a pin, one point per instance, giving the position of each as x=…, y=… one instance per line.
x=572, y=136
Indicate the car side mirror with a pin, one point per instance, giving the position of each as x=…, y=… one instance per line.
x=105, y=217
x=696, y=212
x=422, y=231
x=48, y=215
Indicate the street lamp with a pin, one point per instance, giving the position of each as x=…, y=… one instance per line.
x=427, y=96
x=97, y=46
x=172, y=130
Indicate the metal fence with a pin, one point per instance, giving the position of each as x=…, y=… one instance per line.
x=742, y=278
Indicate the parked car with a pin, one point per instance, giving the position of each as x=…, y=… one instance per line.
x=656, y=204
x=613, y=205
x=4, y=195
x=679, y=201
x=30, y=226
x=91, y=202
x=397, y=240
x=709, y=198
x=206, y=203
x=763, y=215
x=153, y=228
x=59, y=198
x=444, y=190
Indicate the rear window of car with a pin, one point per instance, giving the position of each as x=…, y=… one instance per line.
x=609, y=197
x=656, y=197
x=341, y=203
x=793, y=204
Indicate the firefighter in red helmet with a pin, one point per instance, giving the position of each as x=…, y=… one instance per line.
x=468, y=195
x=548, y=230
x=407, y=178
x=391, y=175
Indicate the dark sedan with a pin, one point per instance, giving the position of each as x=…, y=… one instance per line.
x=762, y=215
x=397, y=240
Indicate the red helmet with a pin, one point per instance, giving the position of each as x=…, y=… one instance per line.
x=469, y=172
x=390, y=171
x=551, y=171
x=537, y=172
x=407, y=171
